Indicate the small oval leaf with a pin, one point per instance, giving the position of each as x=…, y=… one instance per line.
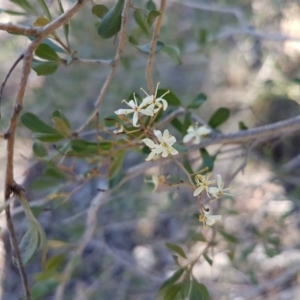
x=116, y=164
x=146, y=47
x=141, y=20
x=44, y=51
x=48, y=137
x=111, y=22
x=41, y=22
x=44, y=67
x=99, y=10
x=35, y=124
x=170, y=281
x=39, y=149
x=30, y=243
x=177, y=249
x=153, y=14
x=198, y=101
x=219, y=117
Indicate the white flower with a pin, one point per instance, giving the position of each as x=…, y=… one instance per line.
x=202, y=183
x=136, y=109
x=218, y=192
x=195, y=133
x=164, y=148
x=152, y=99
x=208, y=219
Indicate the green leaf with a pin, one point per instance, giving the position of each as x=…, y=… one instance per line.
x=55, y=261
x=111, y=22
x=12, y=12
x=199, y=291
x=153, y=14
x=44, y=67
x=185, y=288
x=242, y=126
x=48, y=137
x=45, y=183
x=24, y=4
x=29, y=245
x=208, y=161
x=180, y=148
x=187, y=122
x=170, y=281
x=198, y=101
x=116, y=164
x=62, y=124
x=40, y=289
x=203, y=36
x=146, y=47
x=46, y=52
x=177, y=249
x=99, y=10
x=170, y=97
x=219, y=117
x=39, y=149
x=174, y=53
x=172, y=291
x=54, y=173
x=141, y=20
x=45, y=9
x=35, y=124
x=177, y=124
x=208, y=259
x=41, y=22
x=59, y=114
x=150, y=5
x=229, y=237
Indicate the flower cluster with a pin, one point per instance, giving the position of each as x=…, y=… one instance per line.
x=164, y=147
x=151, y=104
x=204, y=184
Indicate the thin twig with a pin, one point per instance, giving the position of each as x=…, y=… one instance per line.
x=7, y=76
x=20, y=29
x=121, y=46
x=94, y=61
x=17, y=253
x=153, y=46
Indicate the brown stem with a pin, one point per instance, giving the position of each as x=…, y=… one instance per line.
x=153, y=46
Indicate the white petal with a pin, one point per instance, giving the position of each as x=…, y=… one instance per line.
x=187, y=138
x=197, y=140
x=147, y=100
x=123, y=111
x=191, y=130
x=135, y=119
x=171, y=141
x=198, y=191
x=148, y=111
x=149, y=143
x=203, y=130
x=131, y=104
x=150, y=156
x=173, y=151
x=158, y=135
x=166, y=135
x=210, y=222
x=164, y=103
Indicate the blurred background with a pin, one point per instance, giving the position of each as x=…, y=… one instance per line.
x=244, y=55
